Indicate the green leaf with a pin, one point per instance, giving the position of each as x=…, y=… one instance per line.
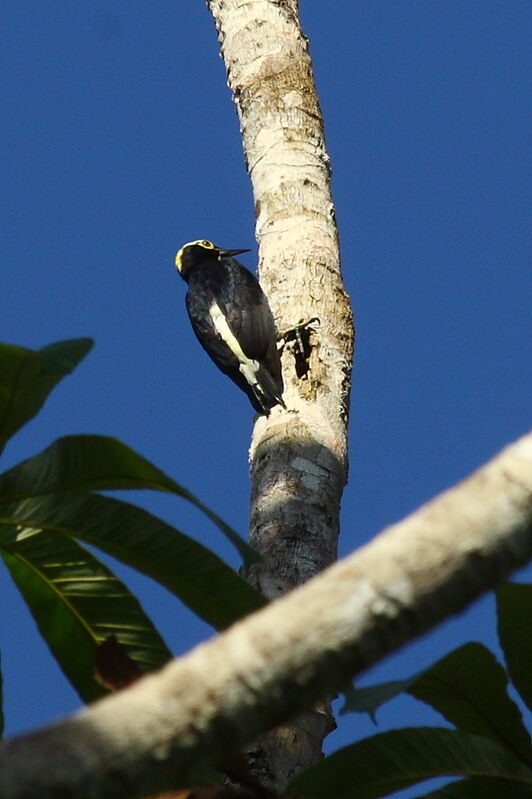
x=132, y=535
x=100, y=463
x=28, y=376
x=514, y=624
x=468, y=687
x=384, y=763
x=77, y=602
x=480, y=788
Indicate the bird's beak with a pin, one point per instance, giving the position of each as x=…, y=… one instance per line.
x=230, y=253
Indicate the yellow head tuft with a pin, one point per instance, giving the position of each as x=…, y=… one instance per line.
x=205, y=243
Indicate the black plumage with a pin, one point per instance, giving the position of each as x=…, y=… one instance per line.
x=232, y=320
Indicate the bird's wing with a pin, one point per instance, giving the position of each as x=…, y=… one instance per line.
x=202, y=323
x=236, y=323
x=252, y=323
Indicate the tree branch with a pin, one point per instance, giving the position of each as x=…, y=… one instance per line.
x=304, y=646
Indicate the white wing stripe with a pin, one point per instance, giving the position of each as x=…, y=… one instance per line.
x=248, y=367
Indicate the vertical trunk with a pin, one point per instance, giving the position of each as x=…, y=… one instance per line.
x=298, y=456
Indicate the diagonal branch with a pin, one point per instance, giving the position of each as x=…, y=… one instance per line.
x=300, y=648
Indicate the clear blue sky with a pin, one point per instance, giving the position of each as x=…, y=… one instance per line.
x=120, y=142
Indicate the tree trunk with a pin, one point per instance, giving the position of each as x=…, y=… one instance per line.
x=298, y=456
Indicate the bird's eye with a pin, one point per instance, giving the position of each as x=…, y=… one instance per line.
x=207, y=244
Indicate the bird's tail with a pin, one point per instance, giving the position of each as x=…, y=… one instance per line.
x=266, y=392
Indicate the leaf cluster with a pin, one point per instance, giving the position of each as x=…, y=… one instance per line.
x=488, y=744
x=49, y=504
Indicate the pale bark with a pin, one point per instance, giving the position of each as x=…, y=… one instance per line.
x=282, y=659
x=299, y=456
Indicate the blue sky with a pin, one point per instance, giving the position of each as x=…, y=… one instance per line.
x=120, y=143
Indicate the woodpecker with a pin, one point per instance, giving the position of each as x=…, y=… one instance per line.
x=232, y=320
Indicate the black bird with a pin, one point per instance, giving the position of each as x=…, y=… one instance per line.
x=232, y=320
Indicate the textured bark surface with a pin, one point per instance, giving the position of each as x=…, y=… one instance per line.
x=299, y=456
x=282, y=659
